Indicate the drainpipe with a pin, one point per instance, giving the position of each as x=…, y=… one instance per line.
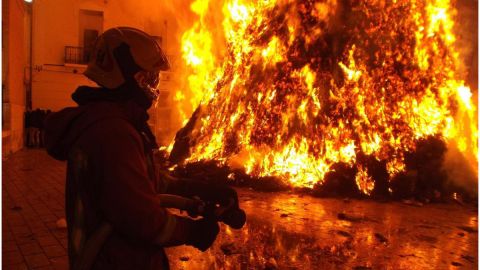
x=30, y=86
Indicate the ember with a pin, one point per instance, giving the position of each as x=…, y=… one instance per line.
x=308, y=91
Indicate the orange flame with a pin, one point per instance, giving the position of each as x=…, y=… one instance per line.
x=291, y=88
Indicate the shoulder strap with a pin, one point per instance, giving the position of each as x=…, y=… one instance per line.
x=83, y=249
x=92, y=247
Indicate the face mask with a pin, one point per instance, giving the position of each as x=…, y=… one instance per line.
x=149, y=82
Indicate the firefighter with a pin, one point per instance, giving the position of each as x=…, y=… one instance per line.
x=115, y=218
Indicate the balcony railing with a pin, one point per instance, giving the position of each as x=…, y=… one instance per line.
x=76, y=55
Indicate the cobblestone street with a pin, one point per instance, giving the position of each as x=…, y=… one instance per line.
x=33, y=201
x=283, y=230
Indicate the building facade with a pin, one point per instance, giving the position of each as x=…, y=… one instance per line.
x=47, y=46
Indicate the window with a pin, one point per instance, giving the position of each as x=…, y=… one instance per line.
x=91, y=26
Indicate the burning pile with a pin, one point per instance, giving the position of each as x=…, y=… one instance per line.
x=306, y=90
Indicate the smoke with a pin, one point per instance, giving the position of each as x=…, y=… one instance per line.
x=462, y=166
x=158, y=18
x=461, y=170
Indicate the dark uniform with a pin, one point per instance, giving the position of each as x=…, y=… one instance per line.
x=107, y=145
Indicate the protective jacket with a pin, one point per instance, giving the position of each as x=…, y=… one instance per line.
x=106, y=145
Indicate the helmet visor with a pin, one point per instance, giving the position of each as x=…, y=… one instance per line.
x=149, y=82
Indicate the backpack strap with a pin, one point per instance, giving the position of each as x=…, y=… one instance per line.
x=92, y=247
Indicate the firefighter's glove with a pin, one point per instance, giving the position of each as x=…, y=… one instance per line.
x=202, y=233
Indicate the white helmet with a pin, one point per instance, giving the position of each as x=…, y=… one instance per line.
x=110, y=67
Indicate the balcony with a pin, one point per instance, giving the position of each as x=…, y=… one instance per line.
x=76, y=55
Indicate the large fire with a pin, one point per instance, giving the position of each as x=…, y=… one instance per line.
x=290, y=88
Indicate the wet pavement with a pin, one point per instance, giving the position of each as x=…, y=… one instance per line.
x=289, y=231
x=283, y=231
